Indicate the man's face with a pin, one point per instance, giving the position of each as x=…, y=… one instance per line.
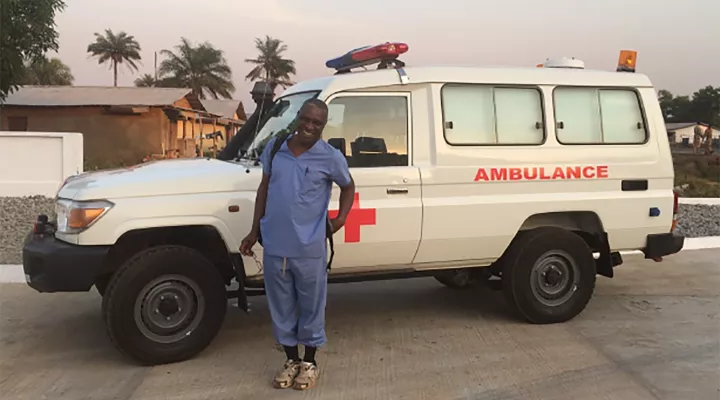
x=311, y=121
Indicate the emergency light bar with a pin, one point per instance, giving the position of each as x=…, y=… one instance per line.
x=383, y=54
x=627, y=61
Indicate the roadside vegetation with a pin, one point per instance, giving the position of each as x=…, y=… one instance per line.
x=697, y=176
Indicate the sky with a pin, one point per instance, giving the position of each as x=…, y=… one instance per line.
x=678, y=42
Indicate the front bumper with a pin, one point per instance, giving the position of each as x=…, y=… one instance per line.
x=663, y=244
x=52, y=265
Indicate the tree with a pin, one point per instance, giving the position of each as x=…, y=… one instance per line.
x=202, y=68
x=44, y=71
x=703, y=106
x=146, y=80
x=27, y=31
x=117, y=49
x=270, y=66
x=706, y=105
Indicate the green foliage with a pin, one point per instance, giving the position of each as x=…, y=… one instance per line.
x=202, y=68
x=270, y=66
x=700, y=175
x=146, y=80
x=27, y=32
x=703, y=106
x=116, y=49
x=44, y=71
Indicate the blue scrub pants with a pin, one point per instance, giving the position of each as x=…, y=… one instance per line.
x=296, y=290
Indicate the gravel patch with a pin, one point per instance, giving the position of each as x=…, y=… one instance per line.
x=698, y=220
x=17, y=215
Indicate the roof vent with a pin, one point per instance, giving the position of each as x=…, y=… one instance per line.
x=563, y=62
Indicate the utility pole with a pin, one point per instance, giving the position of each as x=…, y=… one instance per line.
x=156, y=67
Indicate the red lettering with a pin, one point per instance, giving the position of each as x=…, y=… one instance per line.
x=481, y=175
x=530, y=176
x=588, y=172
x=573, y=173
x=533, y=173
x=498, y=174
x=543, y=176
x=602, y=172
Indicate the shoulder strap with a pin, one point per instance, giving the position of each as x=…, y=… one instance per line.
x=279, y=140
x=329, y=238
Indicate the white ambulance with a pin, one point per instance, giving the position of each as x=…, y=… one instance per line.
x=532, y=177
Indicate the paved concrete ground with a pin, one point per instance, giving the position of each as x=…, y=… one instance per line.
x=652, y=332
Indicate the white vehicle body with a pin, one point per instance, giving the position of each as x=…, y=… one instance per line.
x=446, y=219
x=528, y=172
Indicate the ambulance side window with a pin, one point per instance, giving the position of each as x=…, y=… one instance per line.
x=371, y=131
x=489, y=115
x=598, y=116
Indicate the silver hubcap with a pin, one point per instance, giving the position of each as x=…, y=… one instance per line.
x=554, y=278
x=169, y=308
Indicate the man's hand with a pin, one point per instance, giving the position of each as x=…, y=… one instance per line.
x=247, y=244
x=336, y=224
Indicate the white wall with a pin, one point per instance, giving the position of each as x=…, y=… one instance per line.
x=37, y=163
x=689, y=133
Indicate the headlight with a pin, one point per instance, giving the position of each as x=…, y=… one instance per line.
x=76, y=216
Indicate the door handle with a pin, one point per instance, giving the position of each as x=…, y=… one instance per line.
x=396, y=190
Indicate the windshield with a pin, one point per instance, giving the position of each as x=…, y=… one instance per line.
x=280, y=117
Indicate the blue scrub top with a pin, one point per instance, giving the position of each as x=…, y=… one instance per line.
x=298, y=197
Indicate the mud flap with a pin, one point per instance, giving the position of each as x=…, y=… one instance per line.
x=605, y=263
x=239, y=266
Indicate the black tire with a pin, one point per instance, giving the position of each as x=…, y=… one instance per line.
x=560, y=254
x=102, y=282
x=186, y=278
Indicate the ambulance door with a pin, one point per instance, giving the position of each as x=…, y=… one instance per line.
x=373, y=131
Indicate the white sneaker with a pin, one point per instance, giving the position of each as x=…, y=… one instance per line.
x=286, y=377
x=308, y=376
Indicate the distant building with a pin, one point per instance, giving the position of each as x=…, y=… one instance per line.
x=123, y=125
x=683, y=132
x=230, y=109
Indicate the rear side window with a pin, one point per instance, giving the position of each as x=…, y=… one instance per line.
x=598, y=116
x=488, y=115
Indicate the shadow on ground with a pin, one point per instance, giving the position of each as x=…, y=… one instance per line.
x=652, y=332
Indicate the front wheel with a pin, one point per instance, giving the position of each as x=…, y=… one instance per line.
x=548, y=275
x=164, y=305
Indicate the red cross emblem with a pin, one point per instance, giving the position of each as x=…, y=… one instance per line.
x=355, y=219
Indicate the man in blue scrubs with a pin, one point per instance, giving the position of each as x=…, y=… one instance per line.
x=291, y=209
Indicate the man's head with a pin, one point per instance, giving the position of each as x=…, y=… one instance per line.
x=311, y=120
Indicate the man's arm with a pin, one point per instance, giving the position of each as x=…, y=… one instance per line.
x=262, y=192
x=341, y=176
x=347, y=196
x=260, y=201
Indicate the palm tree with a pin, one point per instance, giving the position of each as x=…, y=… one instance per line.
x=270, y=66
x=202, y=68
x=44, y=71
x=146, y=80
x=118, y=49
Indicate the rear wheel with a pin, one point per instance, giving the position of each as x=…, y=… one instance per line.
x=548, y=275
x=101, y=283
x=164, y=305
